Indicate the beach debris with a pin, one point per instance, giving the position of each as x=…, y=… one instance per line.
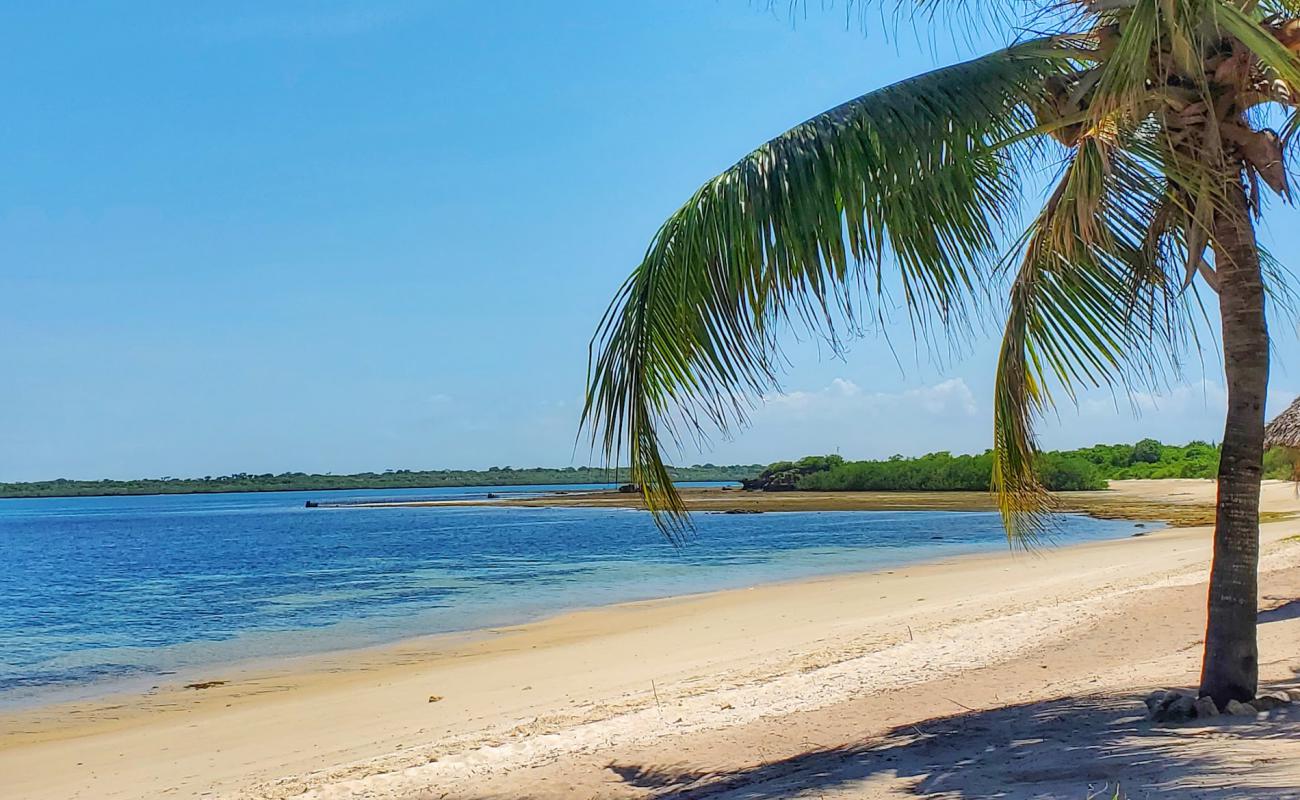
x=1237, y=708
x=205, y=684
x=434, y=698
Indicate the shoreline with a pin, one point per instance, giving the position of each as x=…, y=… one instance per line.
x=279, y=490
x=1136, y=501
x=115, y=692
x=130, y=688
x=733, y=657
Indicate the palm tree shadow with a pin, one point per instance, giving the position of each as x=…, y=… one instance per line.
x=1072, y=747
x=1285, y=611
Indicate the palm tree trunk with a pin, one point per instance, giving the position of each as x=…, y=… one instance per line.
x=1230, y=670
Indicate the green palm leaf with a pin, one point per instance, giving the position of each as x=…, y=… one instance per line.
x=1094, y=303
x=798, y=231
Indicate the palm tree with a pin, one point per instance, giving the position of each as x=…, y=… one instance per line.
x=1154, y=112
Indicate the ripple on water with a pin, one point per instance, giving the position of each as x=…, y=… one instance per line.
x=101, y=590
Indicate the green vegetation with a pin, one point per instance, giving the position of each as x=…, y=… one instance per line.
x=1151, y=459
x=1087, y=468
x=945, y=472
x=784, y=476
x=392, y=479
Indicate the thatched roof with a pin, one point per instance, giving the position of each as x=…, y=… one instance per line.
x=1284, y=430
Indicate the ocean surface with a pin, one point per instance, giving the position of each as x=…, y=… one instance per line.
x=99, y=593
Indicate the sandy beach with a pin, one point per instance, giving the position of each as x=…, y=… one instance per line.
x=1014, y=675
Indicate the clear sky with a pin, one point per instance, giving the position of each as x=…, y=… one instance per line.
x=340, y=236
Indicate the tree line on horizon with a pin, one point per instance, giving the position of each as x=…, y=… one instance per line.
x=1082, y=469
x=390, y=479
x=1087, y=468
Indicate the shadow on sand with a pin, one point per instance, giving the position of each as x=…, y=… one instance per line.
x=1068, y=748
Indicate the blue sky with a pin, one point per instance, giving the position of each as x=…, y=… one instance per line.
x=338, y=236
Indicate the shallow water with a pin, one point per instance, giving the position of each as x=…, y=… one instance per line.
x=99, y=590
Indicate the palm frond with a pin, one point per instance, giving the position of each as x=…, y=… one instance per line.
x=1094, y=303
x=1261, y=42
x=1126, y=65
x=799, y=231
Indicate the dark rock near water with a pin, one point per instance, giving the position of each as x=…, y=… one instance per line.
x=777, y=483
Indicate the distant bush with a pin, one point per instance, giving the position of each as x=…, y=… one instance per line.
x=935, y=472
x=1067, y=472
x=1151, y=459
x=786, y=475
x=1280, y=463
x=1147, y=451
x=944, y=472
x=1085, y=469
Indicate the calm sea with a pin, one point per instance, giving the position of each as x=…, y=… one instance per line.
x=100, y=592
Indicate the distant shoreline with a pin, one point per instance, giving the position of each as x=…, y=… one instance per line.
x=1120, y=502
x=480, y=480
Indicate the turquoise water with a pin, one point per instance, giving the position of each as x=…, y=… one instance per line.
x=99, y=591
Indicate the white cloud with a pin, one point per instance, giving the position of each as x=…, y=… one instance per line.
x=843, y=416
x=1203, y=396
x=842, y=396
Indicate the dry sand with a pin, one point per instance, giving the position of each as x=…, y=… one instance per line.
x=1006, y=675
